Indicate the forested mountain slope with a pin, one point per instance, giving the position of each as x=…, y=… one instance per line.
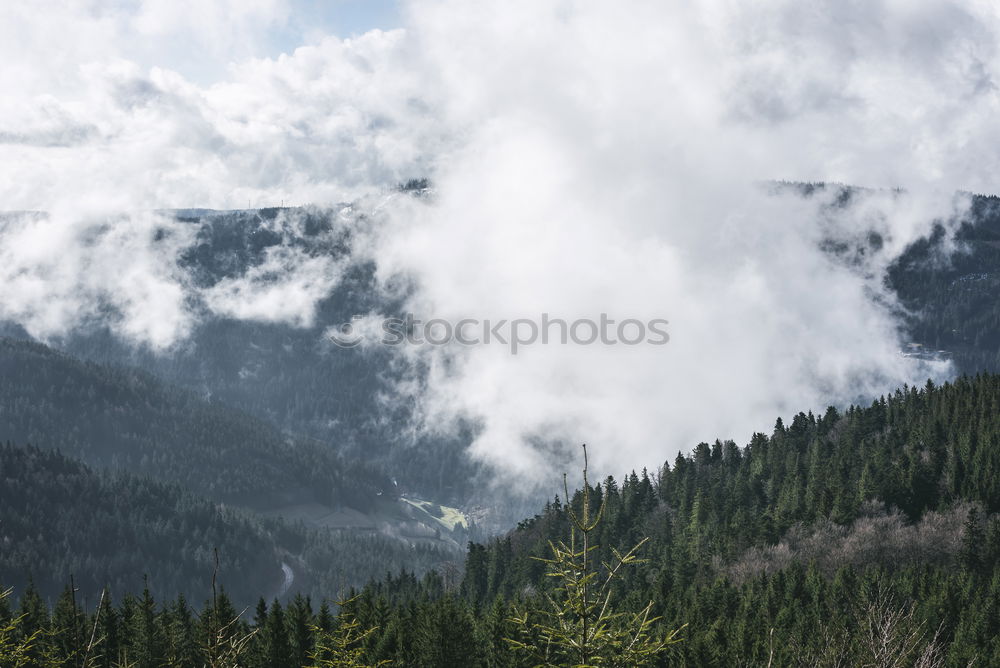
x=120, y=418
x=835, y=540
x=60, y=520
x=289, y=375
x=285, y=371
x=953, y=296
x=812, y=531
x=946, y=283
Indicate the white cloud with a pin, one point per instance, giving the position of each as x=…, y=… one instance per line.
x=607, y=164
x=588, y=157
x=284, y=287
x=102, y=114
x=68, y=268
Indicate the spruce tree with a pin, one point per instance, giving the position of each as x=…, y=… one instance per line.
x=579, y=625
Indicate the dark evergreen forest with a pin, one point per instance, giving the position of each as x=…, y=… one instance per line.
x=817, y=544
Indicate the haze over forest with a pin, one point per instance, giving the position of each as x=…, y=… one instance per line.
x=199, y=200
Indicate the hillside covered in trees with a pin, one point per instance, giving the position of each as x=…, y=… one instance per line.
x=306, y=305
x=950, y=287
x=63, y=522
x=832, y=539
x=944, y=284
x=111, y=476
x=805, y=542
x=286, y=373
x=121, y=418
x=794, y=548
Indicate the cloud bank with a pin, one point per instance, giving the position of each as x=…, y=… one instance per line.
x=587, y=158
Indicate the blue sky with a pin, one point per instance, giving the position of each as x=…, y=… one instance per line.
x=343, y=18
x=199, y=52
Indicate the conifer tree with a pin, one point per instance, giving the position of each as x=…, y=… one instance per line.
x=579, y=625
x=16, y=646
x=344, y=646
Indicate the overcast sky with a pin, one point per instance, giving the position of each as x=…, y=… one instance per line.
x=588, y=156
